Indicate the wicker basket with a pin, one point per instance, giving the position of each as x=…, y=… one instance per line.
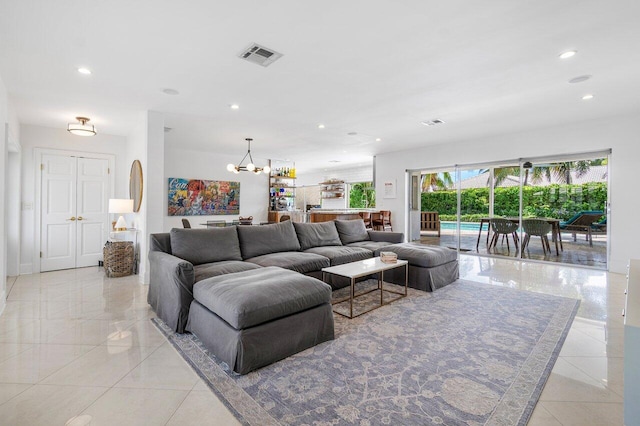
x=118, y=258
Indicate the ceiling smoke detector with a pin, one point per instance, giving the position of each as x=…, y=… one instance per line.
x=260, y=55
x=432, y=122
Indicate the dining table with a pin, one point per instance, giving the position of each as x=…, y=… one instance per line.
x=555, y=230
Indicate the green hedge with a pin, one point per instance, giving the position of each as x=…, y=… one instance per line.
x=559, y=201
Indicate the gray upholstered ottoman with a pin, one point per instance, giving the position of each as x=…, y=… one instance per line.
x=251, y=319
x=430, y=267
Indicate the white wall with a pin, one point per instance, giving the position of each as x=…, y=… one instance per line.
x=621, y=134
x=136, y=149
x=4, y=150
x=347, y=174
x=32, y=137
x=254, y=189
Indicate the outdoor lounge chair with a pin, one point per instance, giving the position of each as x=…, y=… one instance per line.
x=585, y=222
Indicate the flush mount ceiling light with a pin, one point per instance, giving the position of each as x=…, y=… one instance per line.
x=568, y=54
x=171, y=92
x=432, y=122
x=378, y=139
x=320, y=126
x=587, y=97
x=83, y=70
x=234, y=106
x=250, y=167
x=81, y=128
x=580, y=79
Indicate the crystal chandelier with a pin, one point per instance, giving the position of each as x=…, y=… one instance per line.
x=250, y=167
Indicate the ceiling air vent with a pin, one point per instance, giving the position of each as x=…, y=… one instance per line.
x=432, y=122
x=260, y=55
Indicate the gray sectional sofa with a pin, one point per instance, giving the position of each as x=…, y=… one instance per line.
x=251, y=294
x=183, y=257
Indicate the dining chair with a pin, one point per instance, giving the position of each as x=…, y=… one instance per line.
x=538, y=228
x=285, y=217
x=504, y=227
x=366, y=217
x=386, y=220
x=186, y=224
x=376, y=221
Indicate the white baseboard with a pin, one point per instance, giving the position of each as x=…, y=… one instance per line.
x=26, y=268
x=3, y=301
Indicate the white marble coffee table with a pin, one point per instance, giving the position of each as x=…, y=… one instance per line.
x=363, y=268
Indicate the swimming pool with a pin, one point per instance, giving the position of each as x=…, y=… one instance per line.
x=465, y=226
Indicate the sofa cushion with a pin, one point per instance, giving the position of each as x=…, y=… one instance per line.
x=200, y=246
x=208, y=270
x=351, y=231
x=264, y=239
x=250, y=298
x=338, y=255
x=374, y=246
x=422, y=255
x=317, y=234
x=296, y=261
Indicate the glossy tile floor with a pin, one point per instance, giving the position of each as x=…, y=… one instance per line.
x=77, y=348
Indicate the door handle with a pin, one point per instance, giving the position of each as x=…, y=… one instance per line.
x=79, y=217
x=72, y=218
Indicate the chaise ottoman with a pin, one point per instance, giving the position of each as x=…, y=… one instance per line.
x=430, y=267
x=251, y=319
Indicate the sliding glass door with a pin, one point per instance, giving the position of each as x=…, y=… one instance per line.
x=555, y=207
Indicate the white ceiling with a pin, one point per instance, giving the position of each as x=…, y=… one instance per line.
x=377, y=68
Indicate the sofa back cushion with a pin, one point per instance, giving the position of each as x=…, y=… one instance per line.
x=317, y=234
x=200, y=246
x=352, y=231
x=160, y=242
x=265, y=239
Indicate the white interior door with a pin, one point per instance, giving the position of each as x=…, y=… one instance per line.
x=91, y=209
x=74, y=211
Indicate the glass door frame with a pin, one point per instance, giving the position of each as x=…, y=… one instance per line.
x=492, y=165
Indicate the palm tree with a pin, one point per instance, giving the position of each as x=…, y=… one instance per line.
x=561, y=171
x=436, y=181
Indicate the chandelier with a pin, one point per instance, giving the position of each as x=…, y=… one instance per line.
x=250, y=167
x=81, y=128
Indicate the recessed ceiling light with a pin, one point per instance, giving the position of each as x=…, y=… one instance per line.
x=378, y=139
x=352, y=133
x=587, y=97
x=170, y=92
x=567, y=54
x=320, y=126
x=580, y=79
x=85, y=71
x=234, y=106
x=334, y=161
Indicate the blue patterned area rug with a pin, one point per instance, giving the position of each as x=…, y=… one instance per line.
x=468, y=354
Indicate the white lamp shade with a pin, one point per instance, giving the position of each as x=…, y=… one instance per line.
x=120, y=205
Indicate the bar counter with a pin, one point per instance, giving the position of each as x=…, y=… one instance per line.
x=320, y=215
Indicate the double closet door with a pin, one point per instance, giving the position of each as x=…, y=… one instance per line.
x=74, y=212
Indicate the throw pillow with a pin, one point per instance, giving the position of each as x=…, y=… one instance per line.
x=317, y=234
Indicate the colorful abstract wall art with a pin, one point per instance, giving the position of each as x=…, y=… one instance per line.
x=197, y=197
